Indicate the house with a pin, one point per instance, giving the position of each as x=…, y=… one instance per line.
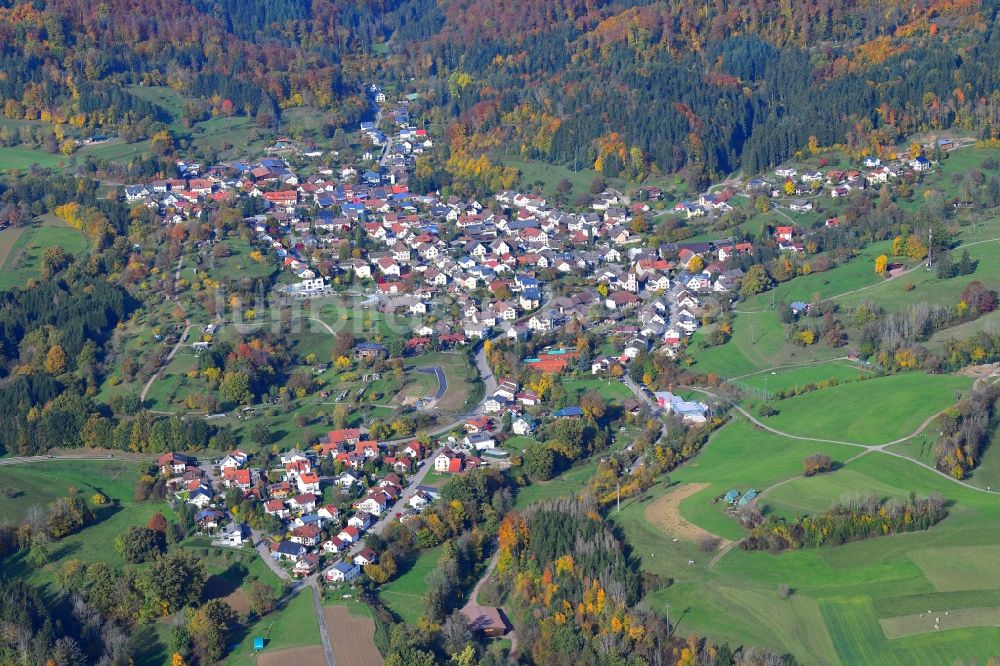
x=419, y=500
x=208, y=519
x=276, y=508
x=200, y=498
x=573, y=412
x=342, y=572
x=784, y=233
x=369, y=350
x=345, y=480
x=800, y=205
x=692, y=412
x=375, y=502
x=286, y=550
x=329, y=512
x=481, y=441
x=523, y=426
x=306, y=502
x=349, y=534
x=620, y=299
x=306, y=566
x=920, y=164
x=414, y=450
x=235, y=535
x=365, y=557
x=448, y=461
x=307, y=535
x=347, y=436
x=175, y=463
x=308, y=483
x=478, y=424
x=485, y=620
x=234, y=460
x=333, y=545
x=361, y=520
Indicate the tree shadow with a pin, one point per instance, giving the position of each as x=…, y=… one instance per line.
x=147, y=646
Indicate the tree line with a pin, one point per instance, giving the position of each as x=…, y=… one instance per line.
x=852, y=520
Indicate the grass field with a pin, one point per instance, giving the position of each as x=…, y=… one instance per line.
x=38, y=484
x=404, y=596
x=798, y=377
x=614, y=392
x=295, y=625
x=845, y=600
x=23, y=157
x=875, y=411
x=21, y=249
x=41, y=483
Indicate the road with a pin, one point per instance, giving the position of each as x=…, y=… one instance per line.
x=404, y=496
x=324, y=634
x=21, y=460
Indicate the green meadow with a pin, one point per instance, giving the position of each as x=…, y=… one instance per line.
x=858, y=603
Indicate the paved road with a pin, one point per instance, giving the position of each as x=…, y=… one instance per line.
x=442, y=380
x=323, y=633
x=400, y=504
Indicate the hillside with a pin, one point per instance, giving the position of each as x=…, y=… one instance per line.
x=706, y=88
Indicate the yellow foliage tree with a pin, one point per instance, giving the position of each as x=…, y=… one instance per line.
x=696, y=264
x=881, y=263
x=55, y=360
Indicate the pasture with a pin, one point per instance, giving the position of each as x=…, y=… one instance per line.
x=875, y=411
x=24, y=157
x=293, y=626
x=848, y=604
x=21, y=248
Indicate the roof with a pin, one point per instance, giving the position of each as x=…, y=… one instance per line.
x=569, y=411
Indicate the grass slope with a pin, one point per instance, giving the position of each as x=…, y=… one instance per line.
x=870, y=412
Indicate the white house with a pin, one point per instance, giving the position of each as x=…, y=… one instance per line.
x=523, y=426
x=342, y=572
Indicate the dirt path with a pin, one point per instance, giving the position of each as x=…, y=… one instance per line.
x=665, y=513
x=7, y=241
x=352, y=637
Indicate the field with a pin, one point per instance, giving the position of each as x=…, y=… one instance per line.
x=875, y=411
x=23, y=157
x=404, y=596
x=21, y=248
x=784, y=379
x=614, y=392
x=852, y=604
x=351, y=631
x=294, y=626
x=39, y=484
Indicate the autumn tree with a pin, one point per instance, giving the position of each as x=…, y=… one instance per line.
x=817, y=463
x=593, y=405
x=754, y=281
x=55, y=360
x=881, y=263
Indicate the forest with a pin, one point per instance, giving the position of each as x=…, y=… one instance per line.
x=634, y=88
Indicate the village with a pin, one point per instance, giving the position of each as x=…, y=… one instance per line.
x=462, y=275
